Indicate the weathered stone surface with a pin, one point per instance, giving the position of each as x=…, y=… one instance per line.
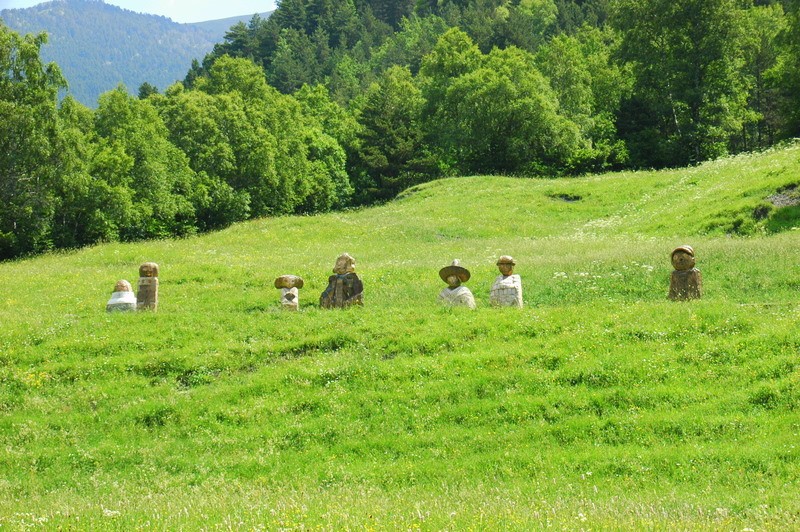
x=147, y=293
x=123, y=286
x=290, y=298
x=506, y=290
x=122, y=299
x=456, y=295
x=686, y=281
x=289, y=281
x=344, y=289
x=290, y=295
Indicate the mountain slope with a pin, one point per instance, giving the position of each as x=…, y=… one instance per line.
x=99, y=46
x=600, y=405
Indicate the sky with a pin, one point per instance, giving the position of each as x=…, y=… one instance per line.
x=177, y=10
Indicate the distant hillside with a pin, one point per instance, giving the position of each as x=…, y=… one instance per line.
x=99, y=46
x=219, y=27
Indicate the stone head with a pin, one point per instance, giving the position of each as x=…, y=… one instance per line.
x=344, y=264
x=123, y=286
x=148, y=269
x=683, y=258
x=506, y=264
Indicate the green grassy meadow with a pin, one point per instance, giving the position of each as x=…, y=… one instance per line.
x=600, y=405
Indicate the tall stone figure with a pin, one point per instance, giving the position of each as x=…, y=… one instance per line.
x=686, y=281
x=344, y=287
x=456, y=294
x=147, y=296
x=122, y=299
x=290, y=295
x=507, y=288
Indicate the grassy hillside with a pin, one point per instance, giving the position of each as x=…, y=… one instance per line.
x=599, y=405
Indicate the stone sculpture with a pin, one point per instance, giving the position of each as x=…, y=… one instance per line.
x=686, y=281
x=122, y=299
x=507, y=288
x=456, y=294
x=289, y=286
x=147, y=296
x=344, y=287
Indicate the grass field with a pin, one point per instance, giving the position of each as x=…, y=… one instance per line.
x=599, y=405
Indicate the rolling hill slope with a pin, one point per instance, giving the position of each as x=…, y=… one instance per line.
x=599, y=405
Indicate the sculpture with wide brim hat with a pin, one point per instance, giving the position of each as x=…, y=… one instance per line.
x=454, y=270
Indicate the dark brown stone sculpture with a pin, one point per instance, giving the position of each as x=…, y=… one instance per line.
x=344, y=287
x=686, y=281
x=147, y=295
x=289, y=285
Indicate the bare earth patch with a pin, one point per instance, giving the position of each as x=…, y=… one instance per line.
x=787, y=197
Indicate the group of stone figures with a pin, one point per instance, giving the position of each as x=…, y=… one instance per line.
x=146, y=298
x=345, y=288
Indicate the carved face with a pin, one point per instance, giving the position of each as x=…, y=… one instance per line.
x=682, y=261
x=453, y=281
x=506, y=268
x=148, y=269
x=344, y=264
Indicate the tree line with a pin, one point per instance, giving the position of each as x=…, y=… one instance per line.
x=328, y=104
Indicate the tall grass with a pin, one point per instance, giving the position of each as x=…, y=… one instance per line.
x=599, y=405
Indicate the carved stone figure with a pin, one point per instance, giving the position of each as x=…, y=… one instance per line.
x=344, y=287
x=289, y=285
x=507, y=288
x=456, y=294
x=122, y=299
x=686, y=281
x=147, y=295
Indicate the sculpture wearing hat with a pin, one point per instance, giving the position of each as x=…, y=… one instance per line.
x=456, y=294
x=344, y=287
x=686, y=281
x=289, y=285
x=507, y=288
x=122, y=299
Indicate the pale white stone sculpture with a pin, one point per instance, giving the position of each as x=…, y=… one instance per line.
x=290, y=295
x=122, y=299
x=456, y=295
x=507, y=288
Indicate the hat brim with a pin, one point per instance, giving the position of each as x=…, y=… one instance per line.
x=289, y=281
x=685, y=249
x=458, y=271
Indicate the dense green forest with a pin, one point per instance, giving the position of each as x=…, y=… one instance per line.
x=328, y=104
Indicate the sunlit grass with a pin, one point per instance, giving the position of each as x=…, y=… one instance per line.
x=599, y=405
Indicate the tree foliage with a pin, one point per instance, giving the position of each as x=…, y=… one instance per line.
x=29, y=144
x=328, y=103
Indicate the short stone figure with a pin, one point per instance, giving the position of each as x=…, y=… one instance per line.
x=507, y=288
x=122, y=299
x=289, y=286
x=344, y=287
x=147, y=296
x=456, y=294
x=686, y=281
